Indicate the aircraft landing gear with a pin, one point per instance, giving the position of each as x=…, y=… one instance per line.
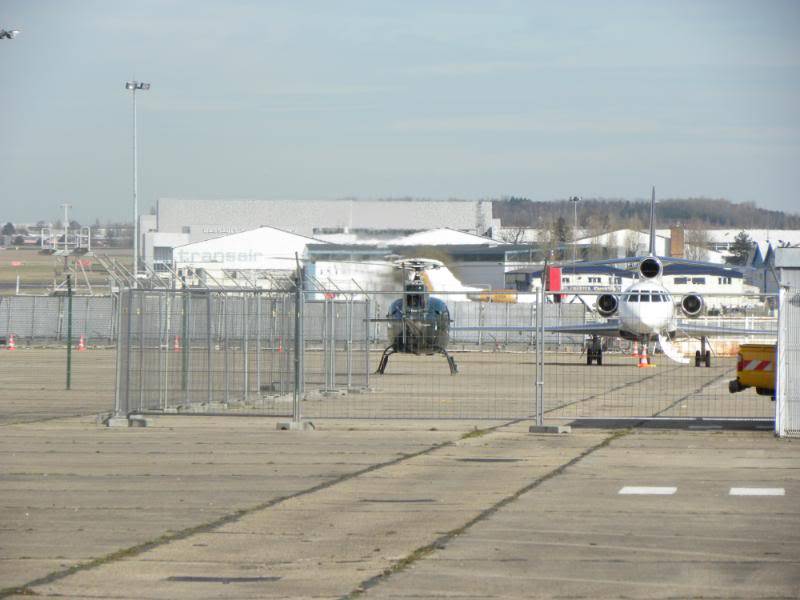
x=702, y=356
x=594, y=352
x=384, y=360
x=451, y=362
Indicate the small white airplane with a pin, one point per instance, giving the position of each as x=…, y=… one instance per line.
x=646, y=311
x=10, y=34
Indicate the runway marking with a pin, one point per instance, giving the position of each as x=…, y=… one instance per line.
x=647, y=491
x=755, y=491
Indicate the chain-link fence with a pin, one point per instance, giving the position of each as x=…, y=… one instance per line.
x=788, y=374
x=684, y=374
x=375, y=355
x=209, y=351
x=43, y=319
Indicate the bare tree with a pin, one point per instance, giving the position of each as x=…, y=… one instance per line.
x=632, y=243
x=512, y=235
x=696, y=242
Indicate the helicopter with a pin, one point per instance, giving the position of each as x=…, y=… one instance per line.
x=418, y=322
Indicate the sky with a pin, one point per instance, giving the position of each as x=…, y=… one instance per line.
x=366, y=99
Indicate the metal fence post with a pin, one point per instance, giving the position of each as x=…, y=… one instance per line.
x=33, y=316
x=298, y=349
x=349, y=308
x=366, y=341
x=142, y=301
x=225, y=372
x=540, y=358
x=780, y=366
x=168, y=298
x=245, y=345
x=125, y=407
x=186, y=345
x=69, y=331
x=258, y=343
x=209, y=344
x=162, y=346
x=118, y=364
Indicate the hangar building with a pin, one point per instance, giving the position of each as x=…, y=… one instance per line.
x=180, y=221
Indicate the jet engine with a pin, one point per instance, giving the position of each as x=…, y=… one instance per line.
x=650, y=268
x=692, y=305
x=607, y=304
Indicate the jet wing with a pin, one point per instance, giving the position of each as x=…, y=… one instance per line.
x=666, y=260
x=693, y=329
x=609, y=328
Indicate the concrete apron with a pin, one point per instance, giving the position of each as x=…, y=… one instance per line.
x=332, y=542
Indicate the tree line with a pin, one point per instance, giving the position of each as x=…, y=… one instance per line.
x=691, y=213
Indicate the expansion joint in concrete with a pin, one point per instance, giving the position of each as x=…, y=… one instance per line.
x=221, y=521
x=441, y=542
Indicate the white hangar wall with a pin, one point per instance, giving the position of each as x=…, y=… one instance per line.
x=205, y=219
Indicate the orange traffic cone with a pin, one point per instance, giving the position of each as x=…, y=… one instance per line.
x=176, y=346
x=82, y=344
x=12, y=344
x=280, y=344
x=635, y=349
x=643, y=362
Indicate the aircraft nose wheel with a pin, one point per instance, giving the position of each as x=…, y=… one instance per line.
x=702, y=359
x=594, y=353
x=594, y=356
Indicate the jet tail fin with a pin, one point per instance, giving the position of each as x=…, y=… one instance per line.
x=653, y=222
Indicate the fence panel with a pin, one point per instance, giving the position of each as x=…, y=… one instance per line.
x=788, y=374
x=234, y=353
x=626, y=386
x=42, y=319
x=205, y=351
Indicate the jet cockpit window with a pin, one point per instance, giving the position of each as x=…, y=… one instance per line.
x=633, y=298
x=644, y=297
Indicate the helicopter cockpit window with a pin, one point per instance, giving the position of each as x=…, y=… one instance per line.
x=415, y=301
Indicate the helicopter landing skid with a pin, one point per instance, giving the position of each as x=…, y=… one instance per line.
x=451, y=362
x=384, y=360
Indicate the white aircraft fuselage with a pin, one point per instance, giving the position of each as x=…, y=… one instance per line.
x=646, y=309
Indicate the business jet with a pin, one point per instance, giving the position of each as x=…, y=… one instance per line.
x=647, y=311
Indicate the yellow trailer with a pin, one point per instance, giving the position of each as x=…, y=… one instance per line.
x=755, y=368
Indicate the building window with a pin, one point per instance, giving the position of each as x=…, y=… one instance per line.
x=186, y=229
x=162, y=254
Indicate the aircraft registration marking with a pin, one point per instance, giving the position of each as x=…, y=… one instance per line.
x=647, y=490
x=755, y=491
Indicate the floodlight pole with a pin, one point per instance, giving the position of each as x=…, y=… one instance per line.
x=133, y=86
x=574, y=201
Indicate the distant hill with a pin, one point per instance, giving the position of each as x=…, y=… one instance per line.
x=695, y=213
